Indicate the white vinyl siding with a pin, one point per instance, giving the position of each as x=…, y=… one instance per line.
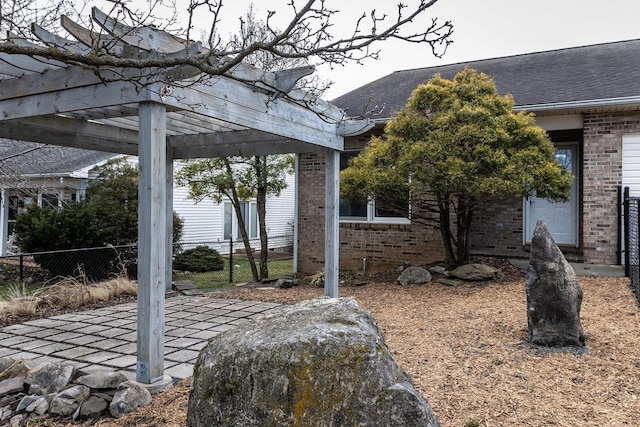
x=631, y=163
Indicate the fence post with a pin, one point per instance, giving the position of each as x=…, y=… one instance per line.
x=619, y=239
x=21, y=267
x=626, y=231
x=231, y=260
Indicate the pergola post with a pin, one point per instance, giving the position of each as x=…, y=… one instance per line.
x=4, y=220
x=331, y=222
x=169, y=221
x=152, y=241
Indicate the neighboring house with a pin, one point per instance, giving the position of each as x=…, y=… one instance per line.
x=39, y=174
x=587, y=98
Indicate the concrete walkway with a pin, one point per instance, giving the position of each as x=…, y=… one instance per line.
x=106, y=338
x=581, y=269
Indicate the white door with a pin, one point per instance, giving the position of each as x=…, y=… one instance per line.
x=561, y=218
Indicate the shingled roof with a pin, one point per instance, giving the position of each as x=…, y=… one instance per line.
x=20, y=158
x=568, y=80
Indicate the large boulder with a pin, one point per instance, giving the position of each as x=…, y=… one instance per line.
x=319, y=363
x=554, y=295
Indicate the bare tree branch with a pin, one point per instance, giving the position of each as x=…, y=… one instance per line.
x=309, y=35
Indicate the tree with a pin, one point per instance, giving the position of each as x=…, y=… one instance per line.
x=240, y=179
x=457, y=146
x=107, y=217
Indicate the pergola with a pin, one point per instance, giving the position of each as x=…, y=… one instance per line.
x=162, y=114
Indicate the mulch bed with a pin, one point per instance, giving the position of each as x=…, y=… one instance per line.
x=465, y=349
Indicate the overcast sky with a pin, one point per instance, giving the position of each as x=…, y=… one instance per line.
x=482, y=29
x=493, y=28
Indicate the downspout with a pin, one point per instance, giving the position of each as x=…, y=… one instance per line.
x=295, y=211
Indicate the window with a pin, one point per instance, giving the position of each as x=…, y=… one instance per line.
x=390, y=208
x=249, y=212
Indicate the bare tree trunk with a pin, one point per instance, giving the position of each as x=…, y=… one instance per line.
x=235, y=201
x=260, y=165
x=447, y=235
x=463, y=218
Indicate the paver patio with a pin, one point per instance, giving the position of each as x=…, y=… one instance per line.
x=106, y=338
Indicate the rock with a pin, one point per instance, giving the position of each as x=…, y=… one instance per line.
x=68, y=401
x=26, y=401
x=318, y=363
x=17, y=420
x=49, y=377
x=414, y=276
x=130, y=395
x=100, y=380
x=39, y=407
x=19, y=368
x=449, y=282
x=94, y=407
x=5, y=362
x=554, y=295
x=475, y=272
x=438, y=269
x=11, y=386
x=286, y=283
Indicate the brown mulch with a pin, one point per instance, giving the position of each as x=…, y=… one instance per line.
x=464, y=349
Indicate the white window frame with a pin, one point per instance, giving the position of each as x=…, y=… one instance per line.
x=371, y=212
x=253, y=230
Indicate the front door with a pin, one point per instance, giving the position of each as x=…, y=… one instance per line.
x=561, y=218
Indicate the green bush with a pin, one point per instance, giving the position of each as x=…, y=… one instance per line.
x=107, y=217
x=199, y=260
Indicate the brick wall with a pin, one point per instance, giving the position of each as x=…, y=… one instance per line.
x=602, y=174
x=497, y=230
x=385, y=246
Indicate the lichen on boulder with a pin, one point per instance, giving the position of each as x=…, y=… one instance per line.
x=321, y=362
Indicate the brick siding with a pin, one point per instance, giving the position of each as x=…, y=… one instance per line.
x=602, y=174
x=496, y=230
x=384, y=246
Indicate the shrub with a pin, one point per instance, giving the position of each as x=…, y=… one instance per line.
x=199, y=259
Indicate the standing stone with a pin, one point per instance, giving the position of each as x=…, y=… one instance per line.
x=554, y=295
x=318, y=363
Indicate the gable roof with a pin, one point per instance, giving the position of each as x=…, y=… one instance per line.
x=569, y=80
x=30, y=158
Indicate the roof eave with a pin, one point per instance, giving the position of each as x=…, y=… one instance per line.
x=631, y=101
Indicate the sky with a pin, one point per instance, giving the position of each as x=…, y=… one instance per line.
x=482, y=29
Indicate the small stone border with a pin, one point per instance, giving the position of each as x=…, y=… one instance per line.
x=32, y=389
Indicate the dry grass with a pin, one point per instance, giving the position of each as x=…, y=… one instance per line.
x=20, y=306
x=465, y=352
x=68, y=293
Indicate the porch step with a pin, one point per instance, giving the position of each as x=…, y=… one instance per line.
x=186, y=287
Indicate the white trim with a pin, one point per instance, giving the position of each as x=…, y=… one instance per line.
x=580, y=104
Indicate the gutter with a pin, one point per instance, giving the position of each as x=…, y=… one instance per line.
x=590, y=103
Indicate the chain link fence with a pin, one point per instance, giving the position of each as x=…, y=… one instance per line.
x=101, y=263
x=631, y=207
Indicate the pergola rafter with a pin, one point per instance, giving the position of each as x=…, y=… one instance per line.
x=161, y=113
